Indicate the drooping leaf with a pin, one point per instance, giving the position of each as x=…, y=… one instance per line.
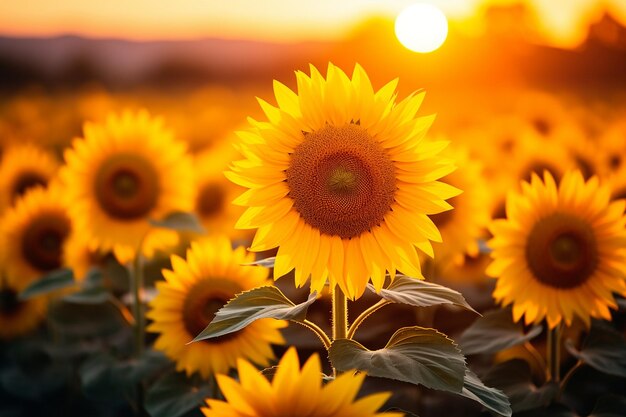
x=413, y=354
x=54, y=281
x=609, y=406
x=604, y=349
x=493, y=332
x=173, y=395
x=180, y=221
x=419, y=293
x=492, y=398
x=514, y=377
x=255, y=304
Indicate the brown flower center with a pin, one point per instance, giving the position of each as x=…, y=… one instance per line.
x=211, y=199
x=341, y=180
x=561, y=251
x=127, y=187
x=43, y=239
x=204, y=299
x=26, y=181
x=9, y=303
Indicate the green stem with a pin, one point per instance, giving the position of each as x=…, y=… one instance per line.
x=554, y=353
x=568, y=376
x=339, y=317
x=136, y=281
x=357, y=322
x=317, y=330
x=340, y=314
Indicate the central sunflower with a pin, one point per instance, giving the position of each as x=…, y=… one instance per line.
x=560, y=252
x=342, y=180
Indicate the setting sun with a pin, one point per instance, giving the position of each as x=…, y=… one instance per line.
x=421, y=27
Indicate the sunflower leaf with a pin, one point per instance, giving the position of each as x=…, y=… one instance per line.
x=180, y=221
x=173, y=395
x=492, y=398
x=515, y=379
x=493, y=332
x=56, y=280
x=604, y=349
x=252, y=305
x=413, y=354
x=418, y=293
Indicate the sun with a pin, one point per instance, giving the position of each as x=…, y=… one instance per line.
x=421, y=27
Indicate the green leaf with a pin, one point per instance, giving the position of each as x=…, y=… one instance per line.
x=493, y=332
x=492, y=398
x=252, y=305
x=413, y=354
x=514, y=377
x=173, y=395
x=92, y=291
x=604, y=349
x=609, y=406
x=106, y=377
x=180, y=221
x=419, y=293
x=56, y=280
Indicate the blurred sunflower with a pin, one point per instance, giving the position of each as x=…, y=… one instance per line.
x=191, y=295
x=294, y=392
x=23, y=167
x=215, y=192
x=613, y=149
x=462, y=227
x=560, y=252
x=341, y=179
x=32, y=234
x=533, y=156
x=18, y=317
x=124, y=172
x=79, y=257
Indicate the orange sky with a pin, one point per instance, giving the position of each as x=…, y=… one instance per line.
x=563, y=22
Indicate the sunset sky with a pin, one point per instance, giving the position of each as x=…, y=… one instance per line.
x=563, y=21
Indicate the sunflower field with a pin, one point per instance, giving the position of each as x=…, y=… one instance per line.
x=313, y=209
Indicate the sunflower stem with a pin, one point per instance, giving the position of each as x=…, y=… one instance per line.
x=339, y=316
x=554, y=353
x=568, y=376
x=364, y=315
x=136, y=281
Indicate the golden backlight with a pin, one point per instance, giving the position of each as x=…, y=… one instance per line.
x=421, y=27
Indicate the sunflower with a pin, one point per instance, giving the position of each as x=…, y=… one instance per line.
x=342, y=180
x=215, y=192
x=124, y=172
x=32, y=234
x=78, y=256
x=187, y=301
x=23, y=167
x=293, y=392
x=462, y=227
x=560, y=252
x=18, y=317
